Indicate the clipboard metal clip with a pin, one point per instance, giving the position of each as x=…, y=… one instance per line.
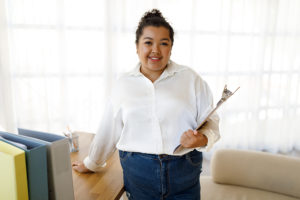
x=225, y=95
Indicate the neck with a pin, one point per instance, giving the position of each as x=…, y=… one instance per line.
x=151, y=75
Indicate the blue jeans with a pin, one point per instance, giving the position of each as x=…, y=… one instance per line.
x=161, y=177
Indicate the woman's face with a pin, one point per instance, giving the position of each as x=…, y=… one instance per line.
x=154, y=49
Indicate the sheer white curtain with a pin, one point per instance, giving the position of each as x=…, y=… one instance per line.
x=7, y=115
x=65, y=55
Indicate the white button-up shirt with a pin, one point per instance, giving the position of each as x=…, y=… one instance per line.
x=147, y=117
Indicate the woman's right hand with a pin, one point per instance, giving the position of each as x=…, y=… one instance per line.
x=80, y=167
x=193, y=139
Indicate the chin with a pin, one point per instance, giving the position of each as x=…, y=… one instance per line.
x=157, y=66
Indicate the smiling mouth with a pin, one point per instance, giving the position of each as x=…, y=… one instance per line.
x=154, y=59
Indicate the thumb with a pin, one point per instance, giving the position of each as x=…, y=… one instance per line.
x=195, y=132
x=75, y=167
x=76, y=163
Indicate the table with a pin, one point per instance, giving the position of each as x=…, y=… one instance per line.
x=104, y=185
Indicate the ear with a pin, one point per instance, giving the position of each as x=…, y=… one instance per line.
x=137, y=49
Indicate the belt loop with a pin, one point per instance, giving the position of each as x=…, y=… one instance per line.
x=161, y=156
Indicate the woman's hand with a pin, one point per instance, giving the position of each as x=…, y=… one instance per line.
x=79, y=167
x=193, y=139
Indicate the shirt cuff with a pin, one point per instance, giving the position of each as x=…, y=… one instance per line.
x=91, y=165
x=211, y=140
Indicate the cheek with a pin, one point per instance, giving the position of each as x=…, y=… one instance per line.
x=167, y=52
x=146, y=51
x=143, y=52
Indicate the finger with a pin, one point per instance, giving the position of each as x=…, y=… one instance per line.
x=187, y=138
x=189, y=134
x=75, y=163
x=76, y=168
x=184, y=138
x=192, y=136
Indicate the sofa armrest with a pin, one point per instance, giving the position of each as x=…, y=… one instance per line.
x=266, y=171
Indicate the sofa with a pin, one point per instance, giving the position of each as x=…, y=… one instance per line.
x=251, y=175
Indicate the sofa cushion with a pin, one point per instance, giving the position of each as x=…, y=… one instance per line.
x=214, y=191
x=265, y=171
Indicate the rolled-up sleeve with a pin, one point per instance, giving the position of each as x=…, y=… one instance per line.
x=204, y=106
x=211, y=131
x=106, y=138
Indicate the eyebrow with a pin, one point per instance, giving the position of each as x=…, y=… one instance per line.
x=149, y=38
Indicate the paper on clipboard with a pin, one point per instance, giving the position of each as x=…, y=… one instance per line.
x=225, y=95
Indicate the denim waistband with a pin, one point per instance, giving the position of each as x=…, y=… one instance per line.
x=164, y=156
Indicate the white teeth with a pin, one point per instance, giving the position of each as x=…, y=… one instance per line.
x=154, y=58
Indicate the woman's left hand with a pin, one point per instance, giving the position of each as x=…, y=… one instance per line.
x=193, y=139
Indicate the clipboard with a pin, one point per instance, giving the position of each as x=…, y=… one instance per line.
x=226, y=94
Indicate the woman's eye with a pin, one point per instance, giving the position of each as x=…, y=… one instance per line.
x=164, y=44
x=148, y=43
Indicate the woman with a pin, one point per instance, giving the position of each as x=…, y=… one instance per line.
x=153, y=108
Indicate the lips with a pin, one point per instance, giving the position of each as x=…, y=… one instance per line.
x=154, y=59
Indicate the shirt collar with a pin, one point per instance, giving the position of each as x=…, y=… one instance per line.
x=170, y=70
x=135, y=71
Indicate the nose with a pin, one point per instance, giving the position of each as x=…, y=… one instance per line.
x=155, y=49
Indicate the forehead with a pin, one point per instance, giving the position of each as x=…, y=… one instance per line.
x=155, y=32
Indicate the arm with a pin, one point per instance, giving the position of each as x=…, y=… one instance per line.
x=104, y=142
x=204, y=138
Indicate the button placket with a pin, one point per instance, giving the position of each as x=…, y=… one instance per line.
x=155, y=122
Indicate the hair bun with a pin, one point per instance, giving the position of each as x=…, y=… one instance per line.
x=152, y=13
x=153, y=18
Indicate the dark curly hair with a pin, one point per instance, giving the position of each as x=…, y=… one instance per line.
x=153, y=18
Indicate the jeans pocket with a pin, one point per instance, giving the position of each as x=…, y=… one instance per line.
x=194, y=158
x=124, y=155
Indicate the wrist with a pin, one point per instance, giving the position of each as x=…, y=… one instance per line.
x=203, y=140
